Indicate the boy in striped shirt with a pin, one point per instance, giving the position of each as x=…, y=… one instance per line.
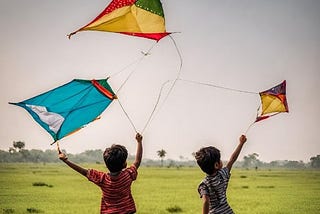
x=115, y=185
x=213, y=188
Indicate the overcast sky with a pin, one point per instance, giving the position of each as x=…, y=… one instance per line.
x=247, y=45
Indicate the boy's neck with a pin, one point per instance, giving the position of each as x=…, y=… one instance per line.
x=213, y=174
x=114, y=173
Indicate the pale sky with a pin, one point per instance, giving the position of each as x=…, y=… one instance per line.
x=246, y=44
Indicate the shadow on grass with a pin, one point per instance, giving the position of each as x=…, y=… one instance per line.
x=7, y=210
x=41, y=184
x=174, y=209
x=34, y=210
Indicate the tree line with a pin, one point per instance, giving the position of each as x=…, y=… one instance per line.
x=17, y=153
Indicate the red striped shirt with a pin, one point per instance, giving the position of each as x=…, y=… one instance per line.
x=116, y=190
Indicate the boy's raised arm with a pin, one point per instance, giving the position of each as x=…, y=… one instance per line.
x=74, y=166
x=139, y=152
x=236, y=152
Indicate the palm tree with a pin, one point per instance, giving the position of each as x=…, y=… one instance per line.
x=161, y=153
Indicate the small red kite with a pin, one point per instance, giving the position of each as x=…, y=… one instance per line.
x=273, y=101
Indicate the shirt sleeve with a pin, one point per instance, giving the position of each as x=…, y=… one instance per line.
x=203, y=189
x=225, y=173
x=95, y=176
x=132, y=170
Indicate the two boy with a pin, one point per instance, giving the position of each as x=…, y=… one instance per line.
x=116, y=185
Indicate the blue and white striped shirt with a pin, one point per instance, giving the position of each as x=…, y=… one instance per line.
x=215, y=186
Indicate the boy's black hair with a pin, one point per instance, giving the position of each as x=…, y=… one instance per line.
x=207, y=157
x=115, y=157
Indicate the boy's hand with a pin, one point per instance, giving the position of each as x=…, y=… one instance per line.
x=242, y=139
x=139, y=138
x=62, y=156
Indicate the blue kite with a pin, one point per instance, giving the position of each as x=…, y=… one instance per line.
x=67, y=108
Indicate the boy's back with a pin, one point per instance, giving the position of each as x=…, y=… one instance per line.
x=116, y=190
x=115, y=185
x=215, y=187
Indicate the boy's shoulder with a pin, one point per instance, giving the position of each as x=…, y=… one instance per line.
x=224, y=172
x=221, y=173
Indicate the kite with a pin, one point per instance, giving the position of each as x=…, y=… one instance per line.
x=67, y=108
x=142, y=18
x=273, y=101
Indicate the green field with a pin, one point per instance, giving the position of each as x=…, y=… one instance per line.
x=55, y=188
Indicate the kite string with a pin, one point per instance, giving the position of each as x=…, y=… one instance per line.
x=137, y=62
x=258, y=109
x=155, y=106
x=245, y=133
x=127, y=115
x=180, y=67
x=153, y=113
x=225, y=88
x=217, y=86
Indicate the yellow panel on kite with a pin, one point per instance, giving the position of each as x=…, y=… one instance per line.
x=271, y=104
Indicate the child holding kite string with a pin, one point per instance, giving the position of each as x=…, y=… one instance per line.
x=115, y=185
x=213, y=187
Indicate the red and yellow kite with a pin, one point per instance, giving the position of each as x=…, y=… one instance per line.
x=143, y=18
x=273, y=101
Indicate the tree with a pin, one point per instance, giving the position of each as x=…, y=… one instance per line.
x=251, y=160
x=161, y=153
x=315, y=161
x=294, y=164
x=19, y=145
x=12, y=150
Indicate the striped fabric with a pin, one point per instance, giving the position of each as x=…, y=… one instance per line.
x=116, y=190
x=215, y=186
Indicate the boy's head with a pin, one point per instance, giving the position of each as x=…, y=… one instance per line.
x=208, y=159
x=115, y=158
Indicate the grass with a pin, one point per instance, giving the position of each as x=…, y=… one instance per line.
x=24, y=189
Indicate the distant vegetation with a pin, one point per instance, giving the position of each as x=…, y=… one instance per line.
x=17, y=153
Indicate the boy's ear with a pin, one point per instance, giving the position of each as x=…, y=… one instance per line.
x=216, y=165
